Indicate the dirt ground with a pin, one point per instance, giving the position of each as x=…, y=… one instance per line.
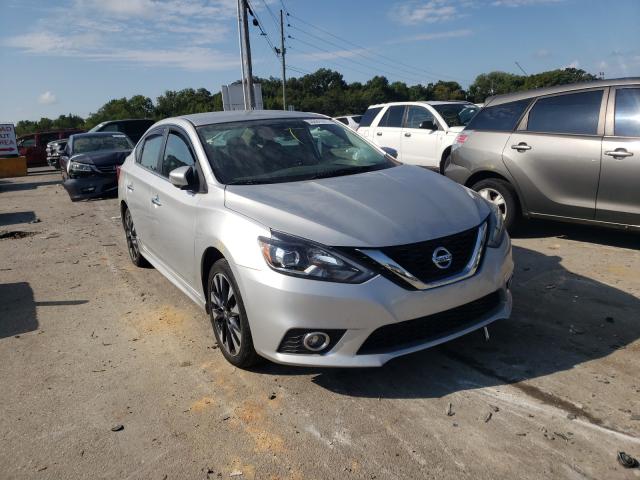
x=88, y=342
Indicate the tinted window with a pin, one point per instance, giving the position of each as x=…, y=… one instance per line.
x=47, y=137
x=177, y=153
x=275, y=151
x=29, y=142
x=150, y=152
x=369, y=115
x=501, y=118
x=392, y=117
x=627, y=119
x=356, y=118
x=575, y=113
x=417, y=115
x=342, y=120
x=450, y=112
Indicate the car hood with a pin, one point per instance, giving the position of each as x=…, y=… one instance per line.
x=102, y=157
x=395, y=206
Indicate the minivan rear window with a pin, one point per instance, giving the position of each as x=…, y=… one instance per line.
x=627, y=119
x=501, y=118
x=369, y=115
x=573, y=113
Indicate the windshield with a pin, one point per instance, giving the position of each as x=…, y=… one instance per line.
x=101, y=142
x=456, y=114
x=276, y=151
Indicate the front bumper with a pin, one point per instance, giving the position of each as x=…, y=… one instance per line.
x=98, y=185
x=276, y=303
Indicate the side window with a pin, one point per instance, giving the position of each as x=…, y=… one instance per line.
x=29, y=142
x=627, y=117
x=501, y=118
x=417, y=115
x=150, y=151
x=575, y=113
x=392, y=117
x=177, y=153
x=112, y=127
x=369, y=115
x=342, y=120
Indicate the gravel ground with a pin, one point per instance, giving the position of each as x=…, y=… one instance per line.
x=88, y=342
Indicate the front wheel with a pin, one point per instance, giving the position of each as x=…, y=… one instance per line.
x=229, y=318
x=502, y=195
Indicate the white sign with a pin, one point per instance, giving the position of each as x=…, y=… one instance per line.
x=8, y=144
x=233, y=97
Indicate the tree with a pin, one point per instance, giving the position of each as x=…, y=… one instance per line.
x=184, y=102
x=137, y=106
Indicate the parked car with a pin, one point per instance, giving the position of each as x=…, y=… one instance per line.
x=308, y=245
x=34, y=145
x=421, y=132
x=568, y=152
x=132, y=128
x=89, y=163
x=54, y=150
x=351, y=121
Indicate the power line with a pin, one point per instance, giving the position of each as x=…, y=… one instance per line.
x=258, y=23
x=429, y=73
x=273, y=16
x=299, y=70
x=374, y=69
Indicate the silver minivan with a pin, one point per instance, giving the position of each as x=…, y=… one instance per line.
x=568, y=153
x=308, y=245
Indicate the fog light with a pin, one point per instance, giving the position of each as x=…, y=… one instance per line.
x=88, y=190
x=315, y=341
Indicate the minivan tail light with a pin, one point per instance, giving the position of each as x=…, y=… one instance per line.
x=461, y=138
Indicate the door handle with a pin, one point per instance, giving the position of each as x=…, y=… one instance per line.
x=521, y=147
x=130, y=187
x=407, y=134
x=379, y=133
x=618, y=153
x=156, y=201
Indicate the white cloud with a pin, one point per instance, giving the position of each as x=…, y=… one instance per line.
x=432, y=11
x=433, y=36
x=542, y=53
x=522, y=3
x=330, y=55
x=573, y=64
x=47, y=98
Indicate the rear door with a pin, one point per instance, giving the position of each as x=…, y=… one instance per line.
x=138, y=184
x=554, y=155
x=175, y=209
x=619, y=191
x=388, y=131
x=419, y=146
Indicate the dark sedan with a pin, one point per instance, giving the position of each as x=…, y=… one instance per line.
x=89, y=162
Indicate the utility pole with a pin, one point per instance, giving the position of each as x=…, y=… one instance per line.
x=282, y=53
x=245, y=53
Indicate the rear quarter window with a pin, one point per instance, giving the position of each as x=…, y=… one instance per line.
x=501, y=118
x=369, y=115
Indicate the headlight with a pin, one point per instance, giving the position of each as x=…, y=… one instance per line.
x=496, y=226
x=302, y=258
x=80, y=167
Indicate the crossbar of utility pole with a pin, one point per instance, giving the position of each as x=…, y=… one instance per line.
x=282, y=53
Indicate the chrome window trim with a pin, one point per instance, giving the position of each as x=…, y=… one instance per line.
x=469, y=270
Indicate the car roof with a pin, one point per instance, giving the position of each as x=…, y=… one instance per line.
x=98, y=134
x=512, y=97
x=424, y=102
x=129, y=120
x=199, y=119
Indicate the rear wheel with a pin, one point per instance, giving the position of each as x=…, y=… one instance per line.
x=229, y=318
x=502, y=195
x=132, y=240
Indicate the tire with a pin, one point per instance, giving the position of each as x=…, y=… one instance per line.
x=501, y=193
x=132, y=240
x=229, y=318
x=445, y=163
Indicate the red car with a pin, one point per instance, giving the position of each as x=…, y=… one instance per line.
x=34, y=145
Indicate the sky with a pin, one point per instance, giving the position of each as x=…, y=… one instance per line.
x=72, y=56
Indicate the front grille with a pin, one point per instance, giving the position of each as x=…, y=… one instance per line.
x=409, y=333
x=292, y=341
x=416, y=258
x=106, y=168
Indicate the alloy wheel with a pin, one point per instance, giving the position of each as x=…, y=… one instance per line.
x=495, y=197
x=132, y=237
x=226, y=314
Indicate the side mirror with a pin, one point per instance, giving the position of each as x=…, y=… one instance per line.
x=391, y=151
x=182, y=177
x=428, y=125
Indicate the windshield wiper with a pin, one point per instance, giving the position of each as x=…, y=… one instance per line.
x=347, y=171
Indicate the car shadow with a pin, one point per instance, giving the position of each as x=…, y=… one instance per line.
x=560, y=320
x=16, y=218
x=581, y=233
x=18, y=187
x=18, y=312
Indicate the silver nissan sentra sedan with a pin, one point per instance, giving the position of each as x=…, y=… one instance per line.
x=306, y=244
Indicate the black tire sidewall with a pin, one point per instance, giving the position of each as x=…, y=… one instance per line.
x=247, y=356
x=140, y=261
x=507, y=192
